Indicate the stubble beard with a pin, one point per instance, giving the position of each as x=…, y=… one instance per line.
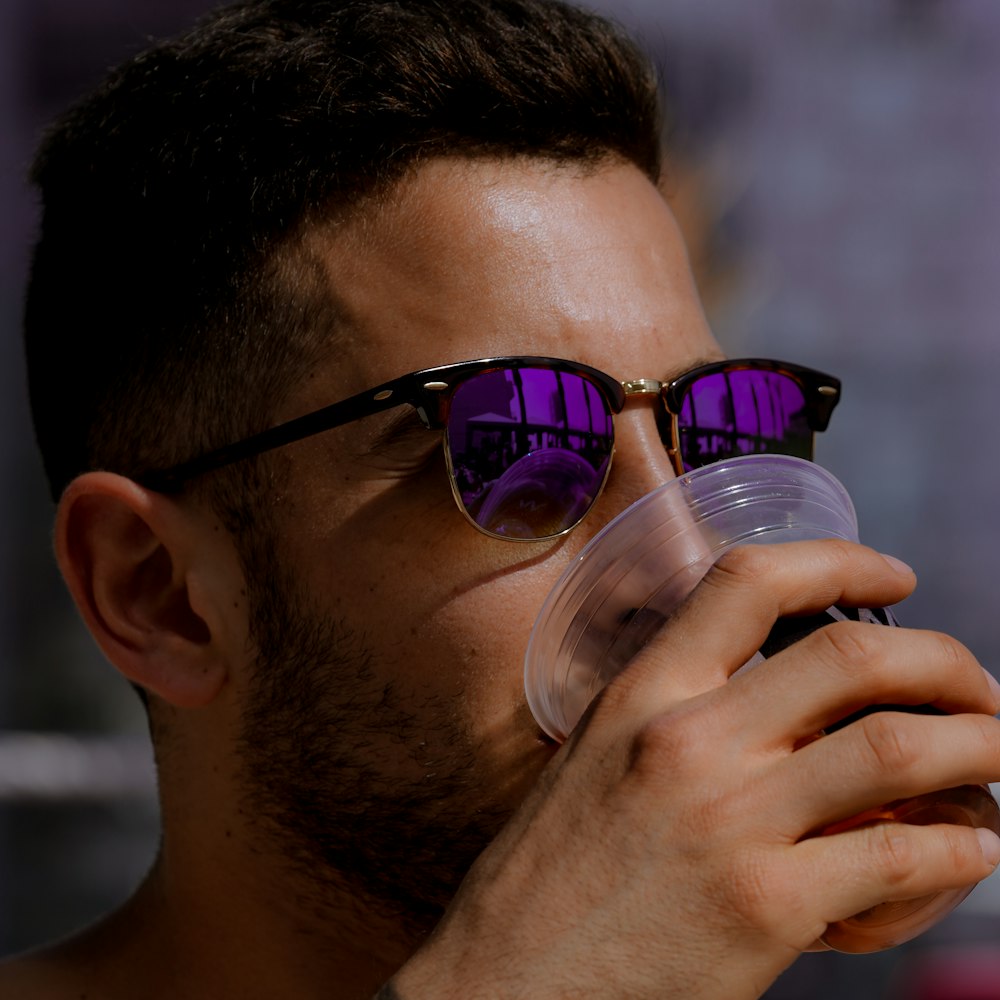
x=323, y=745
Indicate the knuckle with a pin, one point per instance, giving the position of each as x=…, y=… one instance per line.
x=961, y=853
x=838, y=550
x=949, y=652
x=988, y=733
x=673, y=743
x=853, y=646
x=751, y=892
x=903, y=854
x=890, y=742
x=674, y=759
x=759, y=894
x=742, y=565
x=670, y=756
x=896, y=855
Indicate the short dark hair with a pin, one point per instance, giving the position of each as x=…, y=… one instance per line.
x=171, y=303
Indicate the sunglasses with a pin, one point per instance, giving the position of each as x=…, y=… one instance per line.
x=528, y=441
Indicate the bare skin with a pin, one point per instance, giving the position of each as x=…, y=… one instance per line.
x=662, y=851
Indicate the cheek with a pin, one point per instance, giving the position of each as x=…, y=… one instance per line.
x=432, y=599
x=457, y=615
x=455, y=640
x=484, y=630
x=454, y=621
x=469, y=652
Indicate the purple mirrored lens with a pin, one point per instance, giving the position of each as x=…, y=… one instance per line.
x=529, y=449
x=743, y=412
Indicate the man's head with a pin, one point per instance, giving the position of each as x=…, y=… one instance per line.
x=174, y=295
x=296, y=202
x=425, y=714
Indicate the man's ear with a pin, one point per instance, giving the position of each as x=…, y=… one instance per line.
x=154, y=579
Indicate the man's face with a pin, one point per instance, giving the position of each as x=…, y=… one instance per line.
x=401, y=629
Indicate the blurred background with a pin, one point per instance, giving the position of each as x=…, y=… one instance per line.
x=836, y=168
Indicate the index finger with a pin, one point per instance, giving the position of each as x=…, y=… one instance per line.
x=728, y=616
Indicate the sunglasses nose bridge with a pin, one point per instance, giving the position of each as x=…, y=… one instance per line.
x=642, y=461
x=651, y=389
x=642, y=387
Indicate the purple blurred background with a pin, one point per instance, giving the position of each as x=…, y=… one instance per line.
x=838, y=170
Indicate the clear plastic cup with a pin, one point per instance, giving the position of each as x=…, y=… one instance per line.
x=628, y=580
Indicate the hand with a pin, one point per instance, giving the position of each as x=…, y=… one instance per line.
x=666, y=849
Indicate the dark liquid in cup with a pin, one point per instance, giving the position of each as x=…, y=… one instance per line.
x=789, y=630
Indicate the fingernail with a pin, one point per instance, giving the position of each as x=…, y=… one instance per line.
x=994, y=687
x=989, y=844
x=898, y=565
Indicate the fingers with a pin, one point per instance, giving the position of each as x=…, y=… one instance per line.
x=889, y=862
x=714, y=774
x=881, y=758
x=729, y=614
x=793, y=893
x=754, y=585
x=810, y=576
x=846, y=666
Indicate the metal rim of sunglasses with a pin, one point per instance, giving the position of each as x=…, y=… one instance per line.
x=430, y=390
x=820, y=394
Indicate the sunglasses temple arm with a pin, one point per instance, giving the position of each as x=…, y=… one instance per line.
x=364, y=404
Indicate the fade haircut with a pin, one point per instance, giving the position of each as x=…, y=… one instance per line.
x=171, y=304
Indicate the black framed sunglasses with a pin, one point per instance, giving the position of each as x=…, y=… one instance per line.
x=528, y=440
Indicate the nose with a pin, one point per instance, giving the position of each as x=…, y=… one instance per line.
x=641, y=462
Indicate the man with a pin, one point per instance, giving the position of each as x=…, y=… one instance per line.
x=295, y=205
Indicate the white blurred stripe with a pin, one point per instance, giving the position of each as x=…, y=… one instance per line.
x=54, y=766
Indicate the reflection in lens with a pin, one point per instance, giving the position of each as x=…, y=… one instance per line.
x=743, y=412
x=529, y=449
x=542, y=494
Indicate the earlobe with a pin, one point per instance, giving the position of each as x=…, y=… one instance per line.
x=130, y=558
